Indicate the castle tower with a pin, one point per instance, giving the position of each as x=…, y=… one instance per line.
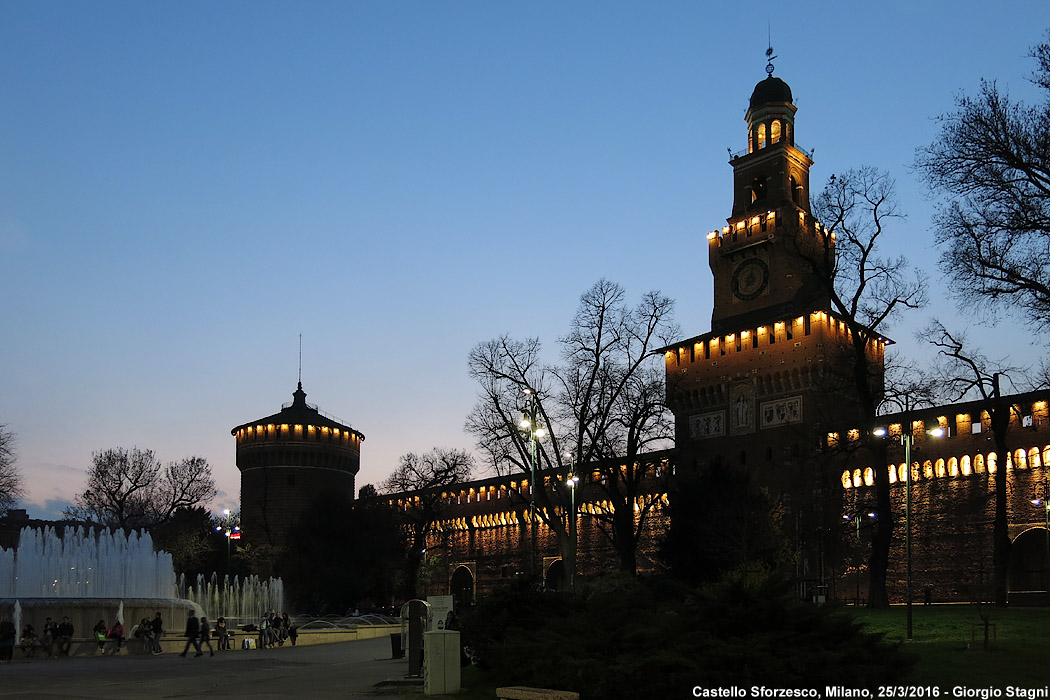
x=762, y=260
x=759, y=390
x=286, y=460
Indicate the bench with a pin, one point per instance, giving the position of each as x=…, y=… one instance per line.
x=521, y=692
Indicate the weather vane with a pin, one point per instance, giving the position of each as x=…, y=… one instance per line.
x=769, y=60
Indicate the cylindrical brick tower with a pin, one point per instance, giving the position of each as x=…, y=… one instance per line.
x=286, y=461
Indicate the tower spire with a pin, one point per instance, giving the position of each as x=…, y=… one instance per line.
x=300, y=360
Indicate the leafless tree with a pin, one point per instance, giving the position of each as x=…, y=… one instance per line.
x=991, y=161
x=132, y=489
x=868, y=291
x=423, y=476
x=11, y=486
x=602, y=409
x=968, y=373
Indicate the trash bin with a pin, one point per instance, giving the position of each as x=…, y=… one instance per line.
x=396, y=652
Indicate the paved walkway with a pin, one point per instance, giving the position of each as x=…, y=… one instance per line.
x=343, y=670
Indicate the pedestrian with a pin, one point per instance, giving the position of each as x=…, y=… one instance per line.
x=158, y=629
x=65, y=633
x=206, y=636
x=193, y=633
x=7, y=640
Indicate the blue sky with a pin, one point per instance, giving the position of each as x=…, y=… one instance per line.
x=186, y=187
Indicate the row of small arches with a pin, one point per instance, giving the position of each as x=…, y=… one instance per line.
x=1033, y=458
x=511, y=518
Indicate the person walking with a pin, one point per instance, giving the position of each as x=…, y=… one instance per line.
x=206, y=636
x=193, y=633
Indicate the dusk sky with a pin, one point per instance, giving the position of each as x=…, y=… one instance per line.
x=186, y=187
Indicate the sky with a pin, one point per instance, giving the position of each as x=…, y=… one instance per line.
x=186, y=187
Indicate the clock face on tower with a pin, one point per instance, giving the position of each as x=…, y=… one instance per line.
x=750, y=279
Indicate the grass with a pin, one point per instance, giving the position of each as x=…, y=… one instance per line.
x=948, y=641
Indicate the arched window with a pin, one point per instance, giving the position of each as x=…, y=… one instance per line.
x=938, y=468
x=902, y=473
x=758, y=188
x=761, y=135
x=774, y=131
x=1034, y=460
x=869, y=477
x=893, y=474
x=847, y=482
x=964, y=466
x=857, y=478
x=991, y=463
x=796, y=191
x=927, y=469
x=1020, y=460
x=953, y=467
x=978, y=464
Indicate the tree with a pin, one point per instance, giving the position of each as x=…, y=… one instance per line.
x=424, y=475
x=991, y=160
x=11, y=486
x=867, y=291
x=967, y=372
x=132, y=489
x=602, y=409
x=190, y=537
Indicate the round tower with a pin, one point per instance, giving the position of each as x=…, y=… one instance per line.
x=288, y=459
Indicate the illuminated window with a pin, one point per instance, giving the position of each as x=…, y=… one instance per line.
x=869, y=477
x=939, y=468
x=847, y=482
x=953, y=467
x=978, y=464
x=991, y=463
x=927, y=469
x=857, y=478
x=761, y=135
x=964, y=466
x=902, y=473
x=774, y=131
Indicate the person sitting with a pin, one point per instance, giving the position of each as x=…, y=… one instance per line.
x=100, y=631
x=65, y=632
x=29, y=642
x=223, y=633
x=117, y=632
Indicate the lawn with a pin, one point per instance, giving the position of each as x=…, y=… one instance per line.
x=948, y=642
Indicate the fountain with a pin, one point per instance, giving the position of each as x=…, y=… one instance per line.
x=88, y=575
x=238, y=600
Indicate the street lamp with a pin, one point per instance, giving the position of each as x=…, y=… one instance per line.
x=536, y=431
x=232, y=532
x=907, y=437
x=855, y=520
x=1044, y=500
x=571, y=481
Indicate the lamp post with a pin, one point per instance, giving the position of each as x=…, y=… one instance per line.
x=907, y=437
x=1044, y=501
x=571, y=481
x=231, y=532
x=529, y=423
x=855, y=519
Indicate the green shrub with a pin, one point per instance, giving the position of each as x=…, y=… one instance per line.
x=622, y=638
